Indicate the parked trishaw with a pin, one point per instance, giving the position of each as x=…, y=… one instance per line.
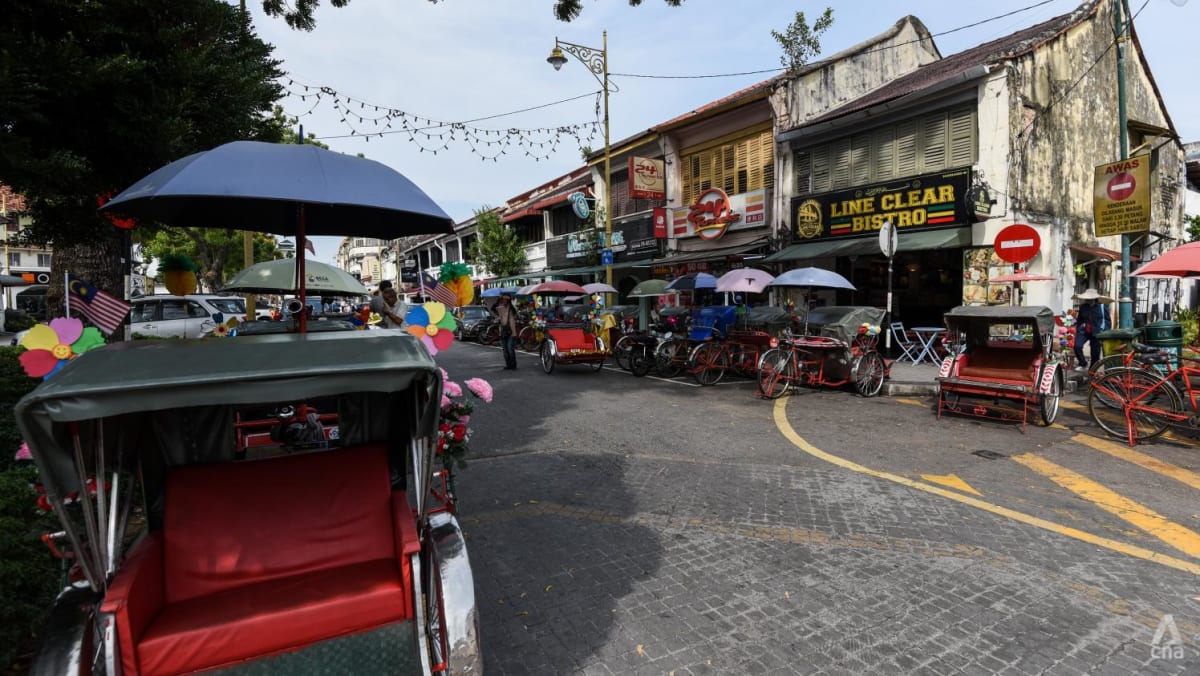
x=576, y=344
x=1004, y=366
x=836, y=347
x=197, y=545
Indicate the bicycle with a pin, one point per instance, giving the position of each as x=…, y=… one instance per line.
x=1138, y=403
x=820, y=361
x=740, y=351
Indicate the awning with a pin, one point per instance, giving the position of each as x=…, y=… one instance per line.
x=620, y=265
x=709, y=254
x=946, y=238
x=527, y=211
x=1095, y=252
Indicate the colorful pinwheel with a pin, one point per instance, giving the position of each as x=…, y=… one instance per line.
x=47, y=348
x=432, y=324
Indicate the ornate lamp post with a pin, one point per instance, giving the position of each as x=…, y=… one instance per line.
x=596, y=61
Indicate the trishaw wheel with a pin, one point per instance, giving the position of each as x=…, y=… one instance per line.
x=869, y=370
x=528, y=339
x=708, y=363
x=621, y=351
x=1049, y=402
x=640, y=360
x=1120, y=388
x=667, y=360
x=447, y=612
x=774, y=373
x=490, y=334
x=547, y=358
x=598, y=364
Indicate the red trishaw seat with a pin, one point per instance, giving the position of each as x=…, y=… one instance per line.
x=264, y=557
x=986, y=363
x=572, y=339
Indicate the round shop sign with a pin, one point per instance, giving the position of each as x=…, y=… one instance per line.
x=1018, y=243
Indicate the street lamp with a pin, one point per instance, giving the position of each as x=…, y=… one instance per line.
x=596, y=61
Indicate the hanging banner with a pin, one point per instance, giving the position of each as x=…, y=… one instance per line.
x=647, y=179
x=1121, y=197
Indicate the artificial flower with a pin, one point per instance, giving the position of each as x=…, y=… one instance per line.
x=480, y=388
x=48, y=347
x=432, y=324
x=23, y=452
x=452, y=388
x=445, y=401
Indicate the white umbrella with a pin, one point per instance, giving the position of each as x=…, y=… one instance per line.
x=599, y=287
x=279, y=276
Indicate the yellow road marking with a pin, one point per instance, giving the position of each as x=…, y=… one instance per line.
x=1183, y=539
x=1072, y=405
x=786, y=429
x=951, y=481
x=910, y=402
x=1142, y=460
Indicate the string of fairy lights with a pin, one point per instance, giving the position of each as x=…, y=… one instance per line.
x=368, y=120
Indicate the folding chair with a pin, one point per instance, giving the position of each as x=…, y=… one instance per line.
x=909, y=348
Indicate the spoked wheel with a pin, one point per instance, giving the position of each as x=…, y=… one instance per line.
x=1132, y=404
x=708, y=363
x=621, y=351
x=434, y=608
x=869, y=370
x=446, y=610
x=668, y=359
x=528, y=339
x=640, y=360
x=1049, y=403
x=547, y=357
x=775, y=373
x=490, y=334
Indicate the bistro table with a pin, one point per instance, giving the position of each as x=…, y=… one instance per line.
x=926, y=335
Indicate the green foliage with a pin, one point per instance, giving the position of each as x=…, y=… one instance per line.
x=567, y=10
x=16, y=321
x=497, y=246
x=1193, y=227
x=219, y=254
x=1190, y=321
x=29, y=576
x=800, y=42
x=299, y=13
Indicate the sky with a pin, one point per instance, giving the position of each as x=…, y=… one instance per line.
x=464, y=60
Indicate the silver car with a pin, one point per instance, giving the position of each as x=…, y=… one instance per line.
x=181, y=316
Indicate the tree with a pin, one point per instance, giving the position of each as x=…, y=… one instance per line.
x=1193, y=227
x=217, y=253
x=497, y=246
x=299, y=13
x=99, y=94
x=800, y=42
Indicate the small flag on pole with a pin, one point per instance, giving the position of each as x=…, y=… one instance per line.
x=104, y=309
x=438, y=291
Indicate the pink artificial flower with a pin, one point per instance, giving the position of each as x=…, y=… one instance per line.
x=445, y=402
x=452, y=388
x=464, y=419
x=445, y=376
x=23, y=452
x=480, y=388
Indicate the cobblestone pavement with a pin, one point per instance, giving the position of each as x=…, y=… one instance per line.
x=624, y=526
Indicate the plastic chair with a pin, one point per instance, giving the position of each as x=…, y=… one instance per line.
x=909, y=348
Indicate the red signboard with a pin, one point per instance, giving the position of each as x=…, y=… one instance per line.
x=1121, y=186
x=711, y=215
x=1018, y=243
x=660, y=223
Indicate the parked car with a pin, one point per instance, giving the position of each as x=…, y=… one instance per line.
x=181, y=316
x=471, y=319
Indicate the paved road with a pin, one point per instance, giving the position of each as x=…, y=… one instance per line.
x=632, y=526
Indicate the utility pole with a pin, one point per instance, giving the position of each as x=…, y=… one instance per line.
x=1121, y=32
x=248, y=241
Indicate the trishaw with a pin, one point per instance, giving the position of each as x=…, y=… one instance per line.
x=1005, y=356
x=837, y=347
x=196, y=544
x=576, y=344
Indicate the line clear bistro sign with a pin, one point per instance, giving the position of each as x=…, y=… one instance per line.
x=1121, y=197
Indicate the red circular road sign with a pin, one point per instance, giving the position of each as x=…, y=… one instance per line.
x=1120, y=187
x=1018, y=243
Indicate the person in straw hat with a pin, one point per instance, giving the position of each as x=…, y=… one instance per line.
x=1090, y=319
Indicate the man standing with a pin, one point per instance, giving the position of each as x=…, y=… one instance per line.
x=1091, y=319
x=506, y=317
x=393, y=309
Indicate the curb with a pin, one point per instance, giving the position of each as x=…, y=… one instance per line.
x=894, y=388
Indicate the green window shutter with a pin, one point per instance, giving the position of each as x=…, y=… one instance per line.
x=802, y=161
x=906, y=148
x=821, y=172
x=883, y=154
x=840, y=158
x=860, y=159
x=962, y=137
x=933, y=143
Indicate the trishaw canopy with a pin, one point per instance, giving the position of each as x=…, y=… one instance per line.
x=973, y=320
x=843, y=321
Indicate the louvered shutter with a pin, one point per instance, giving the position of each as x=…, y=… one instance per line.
x=906, y=148
x=822, y=177
x=962, y=138
x=802, y=160
x=860, y=159
x=933, y=141
x=840, y=159
x=883, y=154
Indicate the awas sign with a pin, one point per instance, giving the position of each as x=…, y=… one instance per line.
x=1121, y=198
x=1018, y=243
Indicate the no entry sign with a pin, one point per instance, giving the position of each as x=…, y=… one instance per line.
x=1018, y=243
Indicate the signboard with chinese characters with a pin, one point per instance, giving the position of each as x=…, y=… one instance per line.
x=1121, y=197
x=924, y=202
x=714, y=213
x=647, y=179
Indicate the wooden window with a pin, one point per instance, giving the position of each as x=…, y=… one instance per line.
x=739, y=166
x=933, y=143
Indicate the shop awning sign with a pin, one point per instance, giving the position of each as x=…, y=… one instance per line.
x=1017, y=243
x=1121, y=197
x=714, y=213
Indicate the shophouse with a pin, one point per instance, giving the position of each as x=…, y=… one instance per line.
x=958, y=148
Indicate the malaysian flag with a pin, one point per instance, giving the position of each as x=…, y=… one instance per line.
x=437, y=291
x=105, y=310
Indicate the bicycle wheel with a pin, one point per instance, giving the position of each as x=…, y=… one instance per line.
x=640, y=360
x=547, y=357
x=869, y=371
x=669, y=358
x=1049, y=403
x=708, y=363
x=490, y=335
x=1111, y=361
x=620, y=351
x=775, y=372
x=1132, y=404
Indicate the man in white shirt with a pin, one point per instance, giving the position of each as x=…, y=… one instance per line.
x=393, y=310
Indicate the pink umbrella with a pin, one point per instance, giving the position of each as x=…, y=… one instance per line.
x=1020, y=277
x=1182, y=261
x=558, y=287
x=599, y=287
x=744, y=280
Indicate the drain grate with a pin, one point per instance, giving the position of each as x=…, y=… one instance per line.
x=989, y=455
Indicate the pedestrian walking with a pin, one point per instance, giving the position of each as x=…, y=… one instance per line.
x=1091, y=318
x=506, y=317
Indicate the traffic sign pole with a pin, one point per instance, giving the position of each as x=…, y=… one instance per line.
x=887, y=244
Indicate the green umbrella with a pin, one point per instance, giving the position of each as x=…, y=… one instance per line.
x=649, y=288
x=279, y=276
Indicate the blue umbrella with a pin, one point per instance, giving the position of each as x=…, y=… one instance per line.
x=812, y=277
x=248, y=185
x=693, y=281
x=499, y=291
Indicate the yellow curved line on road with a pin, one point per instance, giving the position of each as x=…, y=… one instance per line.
x=785, y=428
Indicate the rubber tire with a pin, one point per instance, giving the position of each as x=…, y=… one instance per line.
x=547, y=357
x=1109, y=392
x=528, y=339
x=775, y=372
x=667, y=358
x=1049, y=404
x=640, y=360
x=621, y=350
x=490, y=335
x=708, y=363
x=868, y=371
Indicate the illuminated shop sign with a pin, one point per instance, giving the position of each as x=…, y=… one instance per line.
x=924, y=202
x=714, y=213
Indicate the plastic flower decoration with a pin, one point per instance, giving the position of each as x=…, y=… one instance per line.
x=454, y=435
x=48, y=347
x=224, y=328
x=23, y=452
x=432, y=324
